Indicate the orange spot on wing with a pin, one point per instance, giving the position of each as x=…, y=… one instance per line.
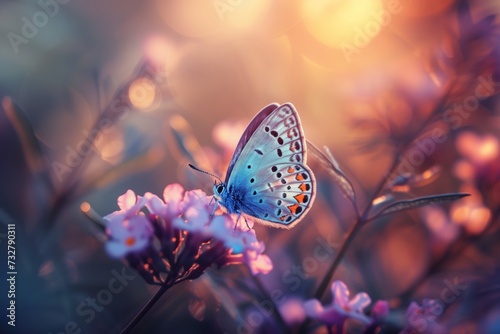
x=291, y=170
x=300, y=198
x=299, y=177
x=282, y=218
x=303, y=187
x=293, y=208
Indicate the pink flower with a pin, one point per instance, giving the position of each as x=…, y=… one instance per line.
x=243, y=242
x=126, y=236
x=292, y=311
x=258, y=263
x=170, y=207
x=423, y=319
x=181, y=237
x=196, y=212
x=129, y=205
x=341, y=308
x=380, y=310
x=128, y=230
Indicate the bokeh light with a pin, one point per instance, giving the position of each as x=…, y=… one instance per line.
x=339, y=22
x=142, y=93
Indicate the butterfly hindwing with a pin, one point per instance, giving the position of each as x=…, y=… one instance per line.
x=285, y=192
x=270, y=173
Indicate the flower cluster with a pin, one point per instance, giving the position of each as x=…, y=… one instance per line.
x=180, y=236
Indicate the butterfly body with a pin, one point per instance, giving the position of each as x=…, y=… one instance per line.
x=268, y=179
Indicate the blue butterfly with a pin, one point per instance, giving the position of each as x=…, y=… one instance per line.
x=268, y=180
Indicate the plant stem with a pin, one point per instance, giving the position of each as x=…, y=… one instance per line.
x=147, y=307
x=352, y=233
x=363, y=219
x=347, y=242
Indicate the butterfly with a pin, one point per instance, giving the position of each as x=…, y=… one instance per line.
x=268, y=180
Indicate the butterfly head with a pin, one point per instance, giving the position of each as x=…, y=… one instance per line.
x=219, y=189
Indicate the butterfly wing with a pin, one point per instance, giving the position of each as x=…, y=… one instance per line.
x=270, y=176
x=249, y=131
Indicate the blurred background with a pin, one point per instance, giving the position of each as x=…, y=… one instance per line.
x=158, y=84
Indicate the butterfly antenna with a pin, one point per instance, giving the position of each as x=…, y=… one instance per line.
x=205, y=172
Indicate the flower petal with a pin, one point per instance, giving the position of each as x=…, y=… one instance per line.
x=116, y=229
x=173, y=194
x=313, y=308
x=195, y=198
x=380, y=309
x=115, y=249
x=412, y=308
x=340, y=294
x=262, y=264
x=360, y=301
x=292, y=311
x=127, y=200
x=197, y=217
x=140, y=226
x=432, y=307
x=154, y=204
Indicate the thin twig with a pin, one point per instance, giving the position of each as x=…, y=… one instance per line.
x=352, y=234
x=364, y=216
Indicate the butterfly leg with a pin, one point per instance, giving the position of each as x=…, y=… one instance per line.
x=215, y=207
x=237, y=221
x=246, y=222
